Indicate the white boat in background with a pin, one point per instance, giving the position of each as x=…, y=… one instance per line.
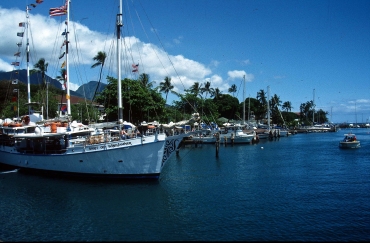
x=232, y=134
x=350, y=141
x=76, y=149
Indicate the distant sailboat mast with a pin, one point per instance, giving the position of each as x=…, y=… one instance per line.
x=268, y=107
x=249, y=106
x=313, y=108
x=244, y=100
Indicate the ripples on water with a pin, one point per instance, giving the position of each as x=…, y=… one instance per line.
x=298, y=188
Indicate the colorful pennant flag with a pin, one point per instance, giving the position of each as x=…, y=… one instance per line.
x=63, y=64
x=39, y=1
x=15, y=81
x=19, y=44
x=17, y=54
x=22, y=24
x=62, y=55
x=63, y=108
x=135, y=67
x=20, y=34
x=64, y=42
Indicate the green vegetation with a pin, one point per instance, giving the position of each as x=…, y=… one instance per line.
x=142, y=102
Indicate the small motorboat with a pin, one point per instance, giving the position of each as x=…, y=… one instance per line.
x=349, y=141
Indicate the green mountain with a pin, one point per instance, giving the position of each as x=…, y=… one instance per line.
x=88, y=90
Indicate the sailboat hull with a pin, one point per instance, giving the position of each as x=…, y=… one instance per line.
x=121, y=159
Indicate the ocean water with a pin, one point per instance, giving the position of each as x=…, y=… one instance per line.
x=296, y=188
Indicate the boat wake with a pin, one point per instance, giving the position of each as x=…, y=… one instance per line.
x=10, y=171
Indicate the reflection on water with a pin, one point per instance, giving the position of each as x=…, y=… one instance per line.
x=298, y=188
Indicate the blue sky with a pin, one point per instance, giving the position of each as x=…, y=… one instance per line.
x=295, y=47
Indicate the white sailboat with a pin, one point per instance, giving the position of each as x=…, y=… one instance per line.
x=79, y=150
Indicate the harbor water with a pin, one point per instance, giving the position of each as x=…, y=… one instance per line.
x=297, y=188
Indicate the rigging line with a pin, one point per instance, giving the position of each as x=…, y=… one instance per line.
x=173, y=66
x=54, y=53
x=155, y=52
x=127, y=30
x=156, y=33
x=76, y=57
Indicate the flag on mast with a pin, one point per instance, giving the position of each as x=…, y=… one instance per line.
x=59, y=11
x=135, y=67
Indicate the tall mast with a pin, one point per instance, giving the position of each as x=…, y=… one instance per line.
x=28, y=60
x=119, y=25
x=244, y=100
x=68, y=97
x=313, y=108
x=249, y=106
x=268, y=107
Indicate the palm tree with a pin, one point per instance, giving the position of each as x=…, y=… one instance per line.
x=100, y=60
x=261, y=97
x=262, y=109
x=233, y=89
x=144, y=80
x=195, y=89
x=207, y=88
x=62, y=78
x=41, y=67
x=287, y=105
x=166, y=86
x=216, y=93
x=275, y=101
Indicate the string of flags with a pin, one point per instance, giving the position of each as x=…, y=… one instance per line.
x=19, y=44
x=18, y=53
x=38, y=2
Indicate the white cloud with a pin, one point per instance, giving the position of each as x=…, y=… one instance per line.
x=238, y=74
x=178, y=40
x=5, y=66
x=247, y=62
x=45, y=34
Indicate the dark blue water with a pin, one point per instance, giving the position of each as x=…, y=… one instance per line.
x=299, y=188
